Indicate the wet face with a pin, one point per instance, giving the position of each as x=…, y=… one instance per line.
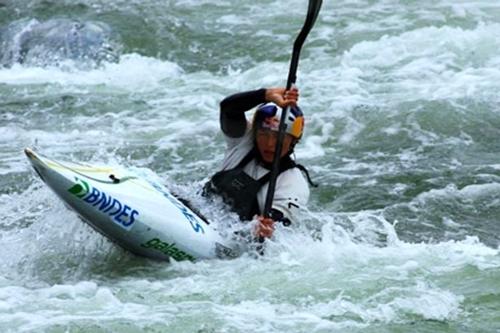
x=266, y=144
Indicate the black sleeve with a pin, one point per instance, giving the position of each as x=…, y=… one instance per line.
x=232, y=111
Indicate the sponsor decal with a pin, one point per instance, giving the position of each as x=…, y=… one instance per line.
x=272, y=123
x=168, y=249
x=122, y=214
x=190, y=217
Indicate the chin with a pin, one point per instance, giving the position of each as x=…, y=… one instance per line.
x=268, y=159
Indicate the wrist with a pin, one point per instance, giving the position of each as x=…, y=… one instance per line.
x=267, y=95
x=270, y=93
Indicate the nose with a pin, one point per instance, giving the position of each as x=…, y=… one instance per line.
x=271, y=141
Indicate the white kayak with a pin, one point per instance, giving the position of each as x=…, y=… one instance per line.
x=137, y=213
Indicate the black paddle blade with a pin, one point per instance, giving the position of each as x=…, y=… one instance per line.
x=312, y=15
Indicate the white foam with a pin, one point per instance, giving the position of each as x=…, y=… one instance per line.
x=337, y=271
x=432, y=63
x=134, y=72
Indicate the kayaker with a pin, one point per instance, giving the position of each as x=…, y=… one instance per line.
x=244, y=177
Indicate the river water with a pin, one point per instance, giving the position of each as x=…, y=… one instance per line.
x=402, y=128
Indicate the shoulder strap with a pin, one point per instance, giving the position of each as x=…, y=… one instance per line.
x=304, y=170
x=285, y=164
x=248, y=157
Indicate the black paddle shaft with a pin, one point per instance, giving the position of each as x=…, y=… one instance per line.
x=312, y=14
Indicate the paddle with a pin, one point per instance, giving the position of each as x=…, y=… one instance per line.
x=312, y=14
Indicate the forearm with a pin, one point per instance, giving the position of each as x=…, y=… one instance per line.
x=232, y=111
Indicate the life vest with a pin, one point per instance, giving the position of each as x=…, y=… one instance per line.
x=238, y=189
